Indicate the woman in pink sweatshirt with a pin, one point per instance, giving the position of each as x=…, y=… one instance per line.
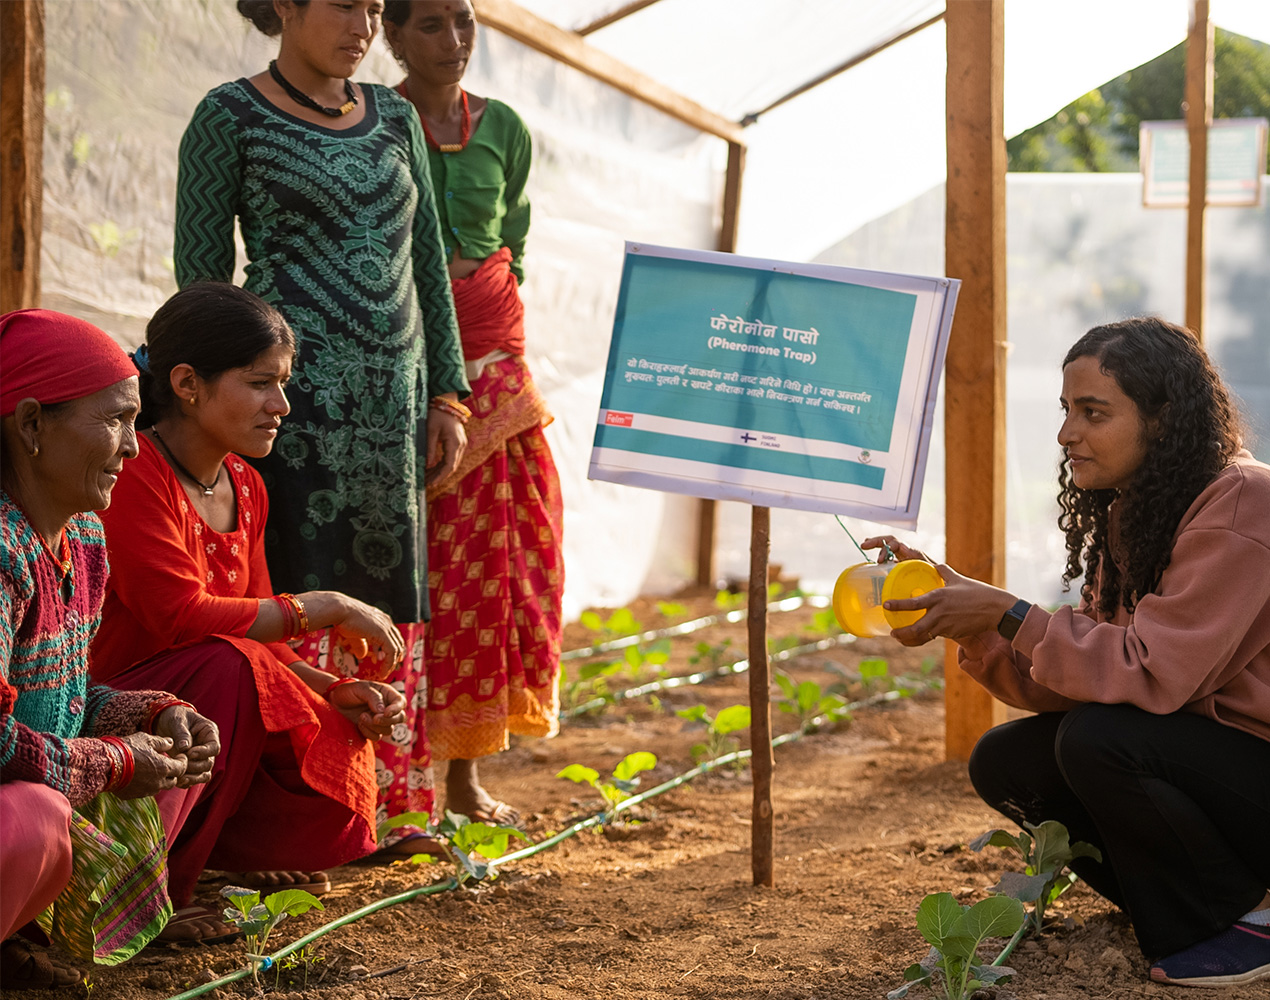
x=1151, y=738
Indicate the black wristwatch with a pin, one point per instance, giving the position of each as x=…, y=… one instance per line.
x=1010, y=622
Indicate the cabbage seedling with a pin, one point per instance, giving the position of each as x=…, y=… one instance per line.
x=807, y=701
x=718, y=741
x=470, y=846
x=620, y=787
x=951, y=969
x=256, y=919
x=1046, y=853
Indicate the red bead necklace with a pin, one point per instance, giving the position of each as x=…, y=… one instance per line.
x=465, y=126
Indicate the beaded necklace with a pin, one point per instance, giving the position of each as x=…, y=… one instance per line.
x=465, y=126
x=300, y=97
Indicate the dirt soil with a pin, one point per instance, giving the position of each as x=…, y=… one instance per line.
x=869, y=819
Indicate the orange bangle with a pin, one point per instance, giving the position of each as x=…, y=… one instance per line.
x=453, y=407
x=339, y=683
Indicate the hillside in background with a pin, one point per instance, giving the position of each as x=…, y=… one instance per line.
x=1099, y=131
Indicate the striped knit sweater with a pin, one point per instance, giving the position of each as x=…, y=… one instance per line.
x=49, y=713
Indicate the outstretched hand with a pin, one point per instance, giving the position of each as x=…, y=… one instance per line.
x=961, y=608
x=374, y=707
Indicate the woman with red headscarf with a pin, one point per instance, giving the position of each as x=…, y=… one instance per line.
x=80, y=763
x=496, y=570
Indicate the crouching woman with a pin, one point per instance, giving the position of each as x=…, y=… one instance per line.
x=1152, y=734
x=82, y=844
x=190, y=605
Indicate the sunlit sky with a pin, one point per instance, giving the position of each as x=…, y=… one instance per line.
x=873, y=138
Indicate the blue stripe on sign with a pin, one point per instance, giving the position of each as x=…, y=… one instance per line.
x=785, y=463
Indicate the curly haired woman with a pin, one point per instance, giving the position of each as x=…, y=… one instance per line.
x=1152, y=734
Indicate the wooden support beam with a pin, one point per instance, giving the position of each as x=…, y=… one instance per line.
x=21, y=152
x=571, y=49
x=762, y=761
x=707, y=511
x=851, y=63
x=614, y=16
x=974, y=374
x=1199, y=116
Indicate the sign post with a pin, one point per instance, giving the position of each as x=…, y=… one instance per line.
x=781, y=385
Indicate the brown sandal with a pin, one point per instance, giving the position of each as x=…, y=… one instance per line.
x=24, y=969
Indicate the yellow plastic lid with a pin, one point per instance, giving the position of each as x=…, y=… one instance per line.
x=910, y=578
x=846, y=603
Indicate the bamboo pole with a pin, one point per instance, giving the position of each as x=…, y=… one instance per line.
x=974, y=380
x=21, y=152
x=763, y=762
x=1199, y=116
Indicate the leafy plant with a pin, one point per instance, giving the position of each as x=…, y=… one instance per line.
x=711, y=653
x=807, y=701
x=951, y=969
x=1046, y=851
x=305, y=958
x=925, y=679
x=257, y=919
x=824, y=622
x=591, y=683
x=470, y=846
x=671, y=609
x=621, y=622
x=620, y=787
x=874, y=674
x=637, y=657
x=727, y=600
x=781, y=644
x=718, y=741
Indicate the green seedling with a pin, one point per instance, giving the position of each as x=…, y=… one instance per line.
x=951, y=969
x=726, y=600
x=1046, y=851
x=590, y=684
x=304, y=958
x=469, y=846
x=620, y=787
x=257, y=918
x=620, y=623
x=711, y=654
x=924, y=680
x=671, y=609
x=655, y=656
x=718, y=741
x=824, y=622
x=808, y=702
x=874, y=675
x=785, y=642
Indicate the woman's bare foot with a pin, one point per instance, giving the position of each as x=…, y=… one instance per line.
x=465, y=795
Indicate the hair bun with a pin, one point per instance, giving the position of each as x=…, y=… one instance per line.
x=261, y=13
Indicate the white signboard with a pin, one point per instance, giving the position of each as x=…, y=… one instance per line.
x=1236, y=161
x=803, y=386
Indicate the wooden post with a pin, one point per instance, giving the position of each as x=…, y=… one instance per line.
x=762, y=763
x=1199, y=116
x=21, y=152
x=707, y=509
x=974, y=375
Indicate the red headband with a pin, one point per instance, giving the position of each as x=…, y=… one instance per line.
x=52, y=357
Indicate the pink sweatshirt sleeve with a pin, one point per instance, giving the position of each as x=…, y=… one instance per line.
x=1184, y=642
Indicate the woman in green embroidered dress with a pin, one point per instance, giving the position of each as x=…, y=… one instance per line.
x=329, y=183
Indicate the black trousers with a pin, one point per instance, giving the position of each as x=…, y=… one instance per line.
x=1178, y=804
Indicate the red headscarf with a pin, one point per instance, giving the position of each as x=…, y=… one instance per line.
x=52, y=357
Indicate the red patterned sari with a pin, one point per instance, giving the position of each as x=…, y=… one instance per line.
x=495, y=566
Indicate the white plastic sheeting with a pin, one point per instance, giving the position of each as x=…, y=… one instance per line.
x=123, y=77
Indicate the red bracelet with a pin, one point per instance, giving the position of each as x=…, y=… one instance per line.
x=339, y=683
x=159, y=707
x=122, y=777
x=301, y=616
x=452, y=407
x=290, y=624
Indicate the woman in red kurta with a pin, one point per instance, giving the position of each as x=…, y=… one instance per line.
x=185, y=536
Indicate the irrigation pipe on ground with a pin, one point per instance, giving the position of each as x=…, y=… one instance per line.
x=685, y=628
x=726, y=670
x=450, y=883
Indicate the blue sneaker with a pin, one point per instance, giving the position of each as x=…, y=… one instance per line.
x=1239, y=954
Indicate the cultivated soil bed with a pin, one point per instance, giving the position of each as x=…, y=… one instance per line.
x=869, y=819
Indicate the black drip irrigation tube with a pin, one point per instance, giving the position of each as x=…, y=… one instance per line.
x=686, y=628
x=684, y=680
x=268, y=961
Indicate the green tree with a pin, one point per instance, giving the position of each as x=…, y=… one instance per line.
x=1099, y=131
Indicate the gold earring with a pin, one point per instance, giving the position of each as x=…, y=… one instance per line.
x=191, y=401
x=35, y=451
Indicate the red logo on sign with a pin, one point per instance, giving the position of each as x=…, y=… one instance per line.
x=614, y=419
